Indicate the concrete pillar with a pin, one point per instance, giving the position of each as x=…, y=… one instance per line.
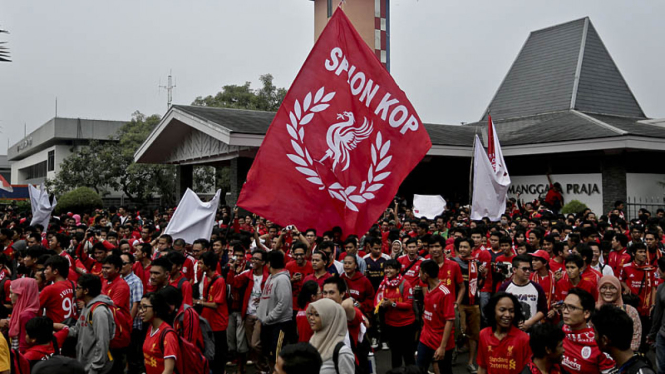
x=239, y=169
x=184, y=180
x=614, y=181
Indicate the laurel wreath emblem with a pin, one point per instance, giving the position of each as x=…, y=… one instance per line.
x=351, y=195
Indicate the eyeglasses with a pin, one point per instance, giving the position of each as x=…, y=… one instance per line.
x=257, y=259
x=144, y=307
x=608, y=288
x=570, y=308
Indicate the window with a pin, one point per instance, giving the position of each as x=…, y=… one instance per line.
x=51, y=160
x=35, y=171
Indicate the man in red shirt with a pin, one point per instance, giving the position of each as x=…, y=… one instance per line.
x=142, y=265
x=437, y=338
x=214, y=308
x=298, y=269
x=543, y=276
x=450, y=273
x=484, y=259
x=187, y=268
x=637, y=277
x=574, y=265
x=619, y=255
x=57, y=299
x=113, y=285
x=588, y=273
x=411, y=262
x=178, y=279
x=319, y=275
x=581, y=351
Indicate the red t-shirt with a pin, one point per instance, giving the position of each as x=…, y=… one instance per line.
x=44, y=352
x=57, y=300
x=319, y=281
x=547, y=283
x=413, y=274
x=483, y=256
x=186, y=289
x=354, y=326
x=219, y=317
x=118, y=290
x=617, y=260
x=144, y=276
x=156, y=351
x=361, y=290
x=450, y=275
x=564, y=285
x=296, y=286
x=504, y=258
x=302, y=323
x=188, y=267
x=556, y=266
x=582, y=354
x=591, y=275
x=506, y=356
x=640, y=281
x=438, y=310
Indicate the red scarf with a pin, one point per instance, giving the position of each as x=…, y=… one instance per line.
x=473, y=280
x=392, y=283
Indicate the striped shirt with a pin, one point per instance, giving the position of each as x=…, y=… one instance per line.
x=135, y=294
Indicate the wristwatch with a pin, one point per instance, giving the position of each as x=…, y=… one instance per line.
x=394, y=305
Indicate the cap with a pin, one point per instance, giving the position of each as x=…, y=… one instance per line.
x=541, y=254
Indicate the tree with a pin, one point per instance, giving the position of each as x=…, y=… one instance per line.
x=267, y=98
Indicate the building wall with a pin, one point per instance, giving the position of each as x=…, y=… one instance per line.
x=369, y=17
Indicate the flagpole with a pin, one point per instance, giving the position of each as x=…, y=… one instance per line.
x=473, y=155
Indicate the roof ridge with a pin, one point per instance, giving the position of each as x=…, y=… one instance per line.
x=598, y=122
x=578, y=69
x=219, y=107
x=559, y=24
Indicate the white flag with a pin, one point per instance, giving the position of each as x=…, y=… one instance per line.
x=428, y=206
x=489, y=187
x=41, y=206
x=193, y=219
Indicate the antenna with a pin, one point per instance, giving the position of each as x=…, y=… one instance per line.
x=56, y=106
x=169, y=90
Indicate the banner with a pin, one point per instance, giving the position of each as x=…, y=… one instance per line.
x=340, y=145
x=41, y=205
x=428, y=206
x=193, y=219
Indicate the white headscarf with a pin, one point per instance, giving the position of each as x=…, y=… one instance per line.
x=334, y=327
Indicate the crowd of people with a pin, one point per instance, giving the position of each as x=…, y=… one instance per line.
x=106, y=291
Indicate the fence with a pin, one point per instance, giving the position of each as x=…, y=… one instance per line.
x=653, y=203
x=154, y=203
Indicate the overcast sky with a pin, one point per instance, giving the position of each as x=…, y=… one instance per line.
x=105, y=60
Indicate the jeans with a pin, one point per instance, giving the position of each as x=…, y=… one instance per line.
x=135, y=352
x=402, y=342
x=426, y=354
x=221, y=351
x=484, y=299
x=660, y=353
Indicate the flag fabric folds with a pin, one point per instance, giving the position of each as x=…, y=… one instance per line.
x=341, y=143
x=41, y=205
x=490, y=178
x=4, y=185
x=428, y=206
x=193, y=219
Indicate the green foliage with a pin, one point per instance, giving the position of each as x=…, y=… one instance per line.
x=78, y=200
x=573, y=206
x=267, y=98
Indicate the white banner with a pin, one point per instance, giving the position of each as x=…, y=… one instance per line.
x=428, y=206
x=193, y=219
x=41, y=206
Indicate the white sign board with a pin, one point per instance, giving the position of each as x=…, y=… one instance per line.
x=587, y=188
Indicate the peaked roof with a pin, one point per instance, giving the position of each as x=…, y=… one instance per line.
x=560, y=68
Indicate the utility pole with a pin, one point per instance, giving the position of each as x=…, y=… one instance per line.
x=169, y=90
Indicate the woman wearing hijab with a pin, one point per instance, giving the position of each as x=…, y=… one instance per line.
x=609, y=292
x=328, y=321
x=24, y=294
x=396, y=249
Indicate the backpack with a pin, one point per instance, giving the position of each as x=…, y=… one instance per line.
x=335, y=358
x=19, y=364
x=415, y=304
x=123, y=325
x=191, y=358
x=208, y=335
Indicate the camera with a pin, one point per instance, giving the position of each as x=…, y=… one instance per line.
x=503, y=268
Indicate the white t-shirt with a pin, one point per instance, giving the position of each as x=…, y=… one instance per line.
x=607, y=270
x=255, y=297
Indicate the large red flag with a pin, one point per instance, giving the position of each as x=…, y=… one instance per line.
x=340, y=145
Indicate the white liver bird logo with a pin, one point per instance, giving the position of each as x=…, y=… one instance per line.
x=342, y=137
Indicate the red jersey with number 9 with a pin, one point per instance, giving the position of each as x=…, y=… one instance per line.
x=58, y=301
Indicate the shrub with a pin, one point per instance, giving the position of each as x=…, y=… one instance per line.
x=78, y=200
x=573, y=206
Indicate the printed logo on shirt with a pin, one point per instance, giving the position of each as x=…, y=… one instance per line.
x=586, y=352
x=571, y=363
